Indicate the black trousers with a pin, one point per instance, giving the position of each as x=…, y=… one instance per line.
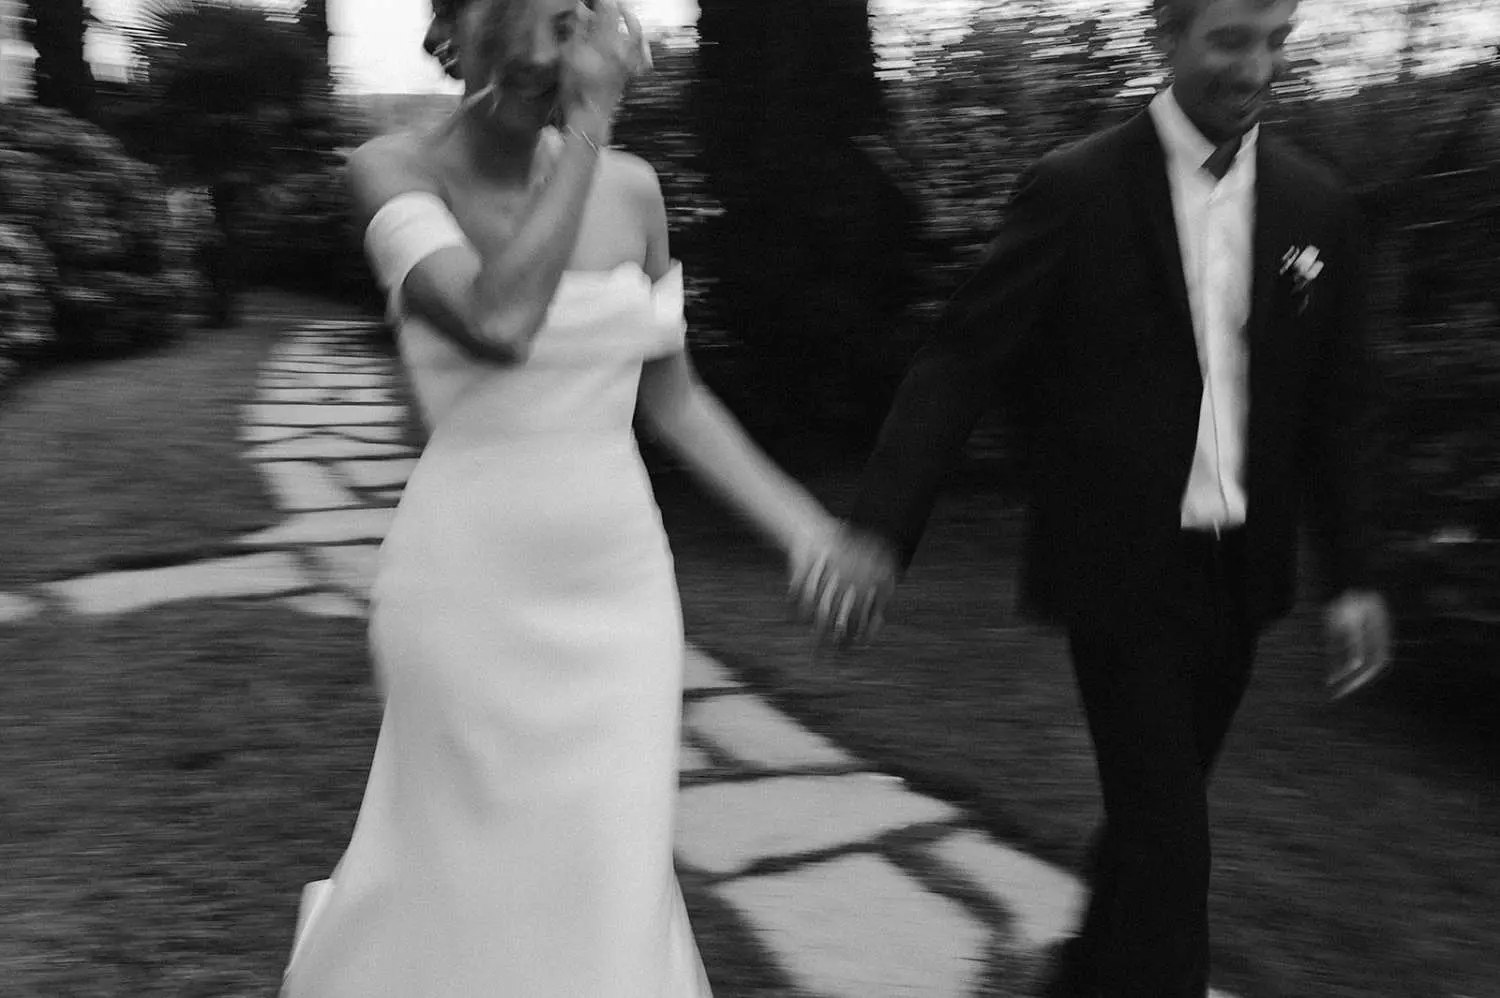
x=1159, y=692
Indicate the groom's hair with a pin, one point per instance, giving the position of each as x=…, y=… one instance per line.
x=1175, y=16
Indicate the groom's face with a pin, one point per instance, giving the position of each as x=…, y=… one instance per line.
x=1224, y=57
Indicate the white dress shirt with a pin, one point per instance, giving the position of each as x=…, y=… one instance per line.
x=1215, y=222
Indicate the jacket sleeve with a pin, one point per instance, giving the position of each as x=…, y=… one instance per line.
x=989, y=323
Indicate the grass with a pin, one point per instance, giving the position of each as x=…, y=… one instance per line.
x=170, y=778
x=173, y=777
x=1355, y=843
x=112, y=463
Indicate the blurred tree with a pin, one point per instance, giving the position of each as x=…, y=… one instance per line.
x=814, y=234
x=313, y=19
x=227, y=86
x=56, y=29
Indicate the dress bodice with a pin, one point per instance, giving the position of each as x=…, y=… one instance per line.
x=583, y=372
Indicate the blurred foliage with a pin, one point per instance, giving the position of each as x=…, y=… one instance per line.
x=228, y=86
x=297, y=234
x=235, y=100
x=1023, y=81
x=93, y=231
x=26, y=274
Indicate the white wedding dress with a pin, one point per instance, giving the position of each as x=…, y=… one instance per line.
x=515, y=839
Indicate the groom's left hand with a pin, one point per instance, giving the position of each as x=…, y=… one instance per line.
x=1358, y=625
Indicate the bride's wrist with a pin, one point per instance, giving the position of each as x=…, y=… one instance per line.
x=812, y=532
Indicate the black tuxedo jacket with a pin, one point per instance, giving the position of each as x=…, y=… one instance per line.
x=1078, y=321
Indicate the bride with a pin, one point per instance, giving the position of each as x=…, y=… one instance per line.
x=515, y=836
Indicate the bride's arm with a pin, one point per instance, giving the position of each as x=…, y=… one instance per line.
x=686, y=416
x=489, y=296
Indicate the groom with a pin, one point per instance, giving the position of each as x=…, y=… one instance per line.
x=1173, y=308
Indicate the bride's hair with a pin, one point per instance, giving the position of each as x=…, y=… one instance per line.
x=498, y=31
x=497, y=37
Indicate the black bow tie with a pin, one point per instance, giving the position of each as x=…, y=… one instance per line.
x=1222, y=158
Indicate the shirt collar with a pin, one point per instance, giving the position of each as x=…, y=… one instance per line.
x=1185, y=146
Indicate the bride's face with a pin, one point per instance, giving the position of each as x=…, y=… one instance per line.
x=517, y=46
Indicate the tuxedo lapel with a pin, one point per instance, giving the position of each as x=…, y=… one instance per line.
x=1152, y=192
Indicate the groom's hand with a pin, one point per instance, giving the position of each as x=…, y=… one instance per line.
x=1358, y=626
x=846, y=591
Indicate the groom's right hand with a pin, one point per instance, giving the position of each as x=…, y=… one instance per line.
x=845, y=591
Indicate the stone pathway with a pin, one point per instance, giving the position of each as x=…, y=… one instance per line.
x=860, y=887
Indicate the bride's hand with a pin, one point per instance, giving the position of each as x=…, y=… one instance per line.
x=609, y=50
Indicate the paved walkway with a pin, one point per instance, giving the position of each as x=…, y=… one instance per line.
x=857, y=885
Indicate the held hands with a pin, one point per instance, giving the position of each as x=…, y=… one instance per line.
x=609, y=50
x=842, y=582
x=1358, y=627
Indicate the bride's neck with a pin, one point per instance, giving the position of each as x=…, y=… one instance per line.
x=495, y=154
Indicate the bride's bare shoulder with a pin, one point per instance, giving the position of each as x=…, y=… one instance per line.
x=388, y=165
x=627, y=168
x=393, y=151
x=631, y=178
